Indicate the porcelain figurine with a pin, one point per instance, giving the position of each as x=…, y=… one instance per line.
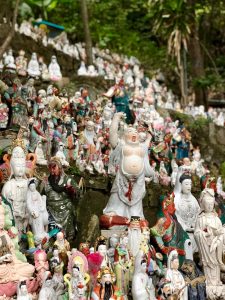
x=209, y=236
x=63, y=246
x=60, y=155
x=129, y=186
x=41, y=160
x=58, y=281
x=4, y=114
x=177, y=283
x=38, y=215
x=82, y=71
x=11, y=269
x=101, y=248
x=106, y=289
x=134, y=235
x=54, y=69
x=45, y=76
x=47, y=291
x=15, y=189
x=22, y=292
x=33, y=68
x=61, y=192
x=21, y=63
x=168, y=233
x=113, y=242
x=123, y=265
x=195, y=280
x=9, y=62
x=187, y=208
x=197, y=163
x=142, y=286
x=78, y=278
x=41, y=264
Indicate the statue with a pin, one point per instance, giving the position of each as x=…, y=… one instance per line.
x=105, y=289
x=15, y=189
x=21, y=63
x=113, y=242
x=209, y=236
x=61, y=192
x=128, y=189
x=122, y=265
x=195, y=280
x=11, y=269
x=41, y=160
x=47, y=291
x=60, y=155
x=101, y=248
x=77, y=278
x=22, y=292
x=187, y=208
x=38, y=215
x=41, y=264
x=168, y=233
x=9, y=62
x=33, y=68
x=177, y=283
x=54, y=69
x=4, y=114
x=142, y=287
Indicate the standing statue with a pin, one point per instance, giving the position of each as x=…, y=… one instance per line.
x=209, y=235
x=15, y=189
x=61, y=192
x=128, y=190
x=187, y=208
x=38, y=215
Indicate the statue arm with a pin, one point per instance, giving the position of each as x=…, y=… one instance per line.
x=113, y=131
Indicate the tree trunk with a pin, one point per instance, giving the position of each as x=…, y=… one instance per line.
x=10, y=35
x=196, y=59
x=87, y=35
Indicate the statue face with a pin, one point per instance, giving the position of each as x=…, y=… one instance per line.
x=132, y=136
x=102, y=250
x=76, y=271
x=188, y=268
x=175, y=264
x=113, y=242
x=186, y=186
x=19, y=169
x=208, y=203
x=54, y=169
x=106, y=278
x=56, y=253
x=60, y=236
x=32, y=187
x=90, y=126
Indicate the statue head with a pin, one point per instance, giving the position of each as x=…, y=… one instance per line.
x=106, y=276
x=32, y=185
x=173, y=260
x=55, y=166
x=90, y=125
x=188, y=267
x=207, y=200
x=85, y=248
x=34, y=56
x=114, y=240
x=186, y=184
x=23, y=288
x=145, y=234
x=60, y=236
x=18, y=162
x=131, y=136
x=100, y=245
x=76, y=271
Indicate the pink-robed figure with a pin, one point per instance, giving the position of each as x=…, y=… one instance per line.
x=131, y=159
x=41, y=264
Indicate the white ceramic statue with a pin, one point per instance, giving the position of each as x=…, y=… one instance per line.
x=40, y=155
x=129, y=186
x=54, y=69
x=9, y=61
x=82, y=71
x=22, y=292
x=15, y=189
x=33, y=68
x=142, y=286
x=187, y=208
x=177, y=283
x=60, y=154
x=47, y=290
x=209, y=235
x=38, y=215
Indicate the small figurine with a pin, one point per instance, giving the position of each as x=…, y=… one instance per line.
x=113, y=242
x=41, y=264
x=177, y=283
x=60, y=155
x=106, y=289
x=142, y=286
x=33, y=68
x=101, y=248
x=21, y=64
x=63, y=247
x=4, y=114
x=38, y=215
x=47, y=291
x=9, y=62
x=22, y=292
x=54, y=69
x=40, y=155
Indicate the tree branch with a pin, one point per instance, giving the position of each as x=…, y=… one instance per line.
x=12, y=31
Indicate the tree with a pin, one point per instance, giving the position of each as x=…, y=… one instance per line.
x=8, y=40
x=87, y=35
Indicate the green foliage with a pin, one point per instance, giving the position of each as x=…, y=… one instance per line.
x=222, y=170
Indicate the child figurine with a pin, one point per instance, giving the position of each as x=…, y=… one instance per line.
x=41, y=264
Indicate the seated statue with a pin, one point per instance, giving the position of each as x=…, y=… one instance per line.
x=168, y=233
x=33, y=68
x=54, y=69
x=11, y=269
x=195, y=280
x=131, y=159
x=209, y=236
